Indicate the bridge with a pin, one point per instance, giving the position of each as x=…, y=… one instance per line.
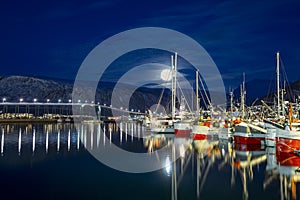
x=59, y=109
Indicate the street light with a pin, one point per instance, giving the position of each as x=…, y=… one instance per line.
x=34, y=100
x=4, y=99
x=21, y=100
x=59, y=100
x=48, y=100
x=70, y=101
x=79, y=101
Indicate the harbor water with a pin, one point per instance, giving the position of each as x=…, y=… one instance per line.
x=54, y=161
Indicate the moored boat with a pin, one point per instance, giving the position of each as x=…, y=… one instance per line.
x=247, y=133
x=182, y=128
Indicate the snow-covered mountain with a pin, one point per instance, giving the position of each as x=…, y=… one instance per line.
x=28, y=88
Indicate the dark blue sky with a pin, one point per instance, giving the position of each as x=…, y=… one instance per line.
x=51, y=38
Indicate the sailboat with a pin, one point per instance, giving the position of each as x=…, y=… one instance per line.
x=165, y=124
x=287, y=132
x=246, y=132
x=204, y=128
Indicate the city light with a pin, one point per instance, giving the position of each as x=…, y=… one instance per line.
x=70, y=101
x=48, y=100
x=34, y=100
x=21, y=100
x=4, y=99
x=59, y=100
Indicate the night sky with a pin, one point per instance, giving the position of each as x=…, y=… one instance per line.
x=52, y=38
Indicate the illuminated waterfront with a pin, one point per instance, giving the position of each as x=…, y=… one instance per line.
x=50, y=161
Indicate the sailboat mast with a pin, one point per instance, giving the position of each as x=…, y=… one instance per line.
x=231, y=100
x=278, y=84
x=172, y=89
x=197, y=93
x=243, y=94
x=242, y=101
x=174, y=71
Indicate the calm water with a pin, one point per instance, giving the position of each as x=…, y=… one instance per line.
x=50, y=161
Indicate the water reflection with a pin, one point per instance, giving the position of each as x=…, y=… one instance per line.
x=205, y=169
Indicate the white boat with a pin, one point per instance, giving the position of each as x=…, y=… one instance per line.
x=247, y=133
x=201, y=131
x=183, y=128
x=162, y=125
x=166, y=124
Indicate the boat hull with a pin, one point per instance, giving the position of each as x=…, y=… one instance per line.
x=287, y=141
x=245, y=138
x=287, y=145
x=182, y=129
x=201, y=132
x=163, y=130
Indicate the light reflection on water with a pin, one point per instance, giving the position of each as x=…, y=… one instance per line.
x=206, y=169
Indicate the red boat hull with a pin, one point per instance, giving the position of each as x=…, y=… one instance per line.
x=287, y=145
x=248, y=140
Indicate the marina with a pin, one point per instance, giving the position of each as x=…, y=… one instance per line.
x=55, y=157
x=185, y=100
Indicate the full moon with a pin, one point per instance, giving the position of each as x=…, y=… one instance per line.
x=166, y=75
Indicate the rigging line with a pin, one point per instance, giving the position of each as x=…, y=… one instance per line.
x=161, y=95
x=270, y=89
x=205, y=91
x=205, y=104
x=289, y=89
x=183, y=96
